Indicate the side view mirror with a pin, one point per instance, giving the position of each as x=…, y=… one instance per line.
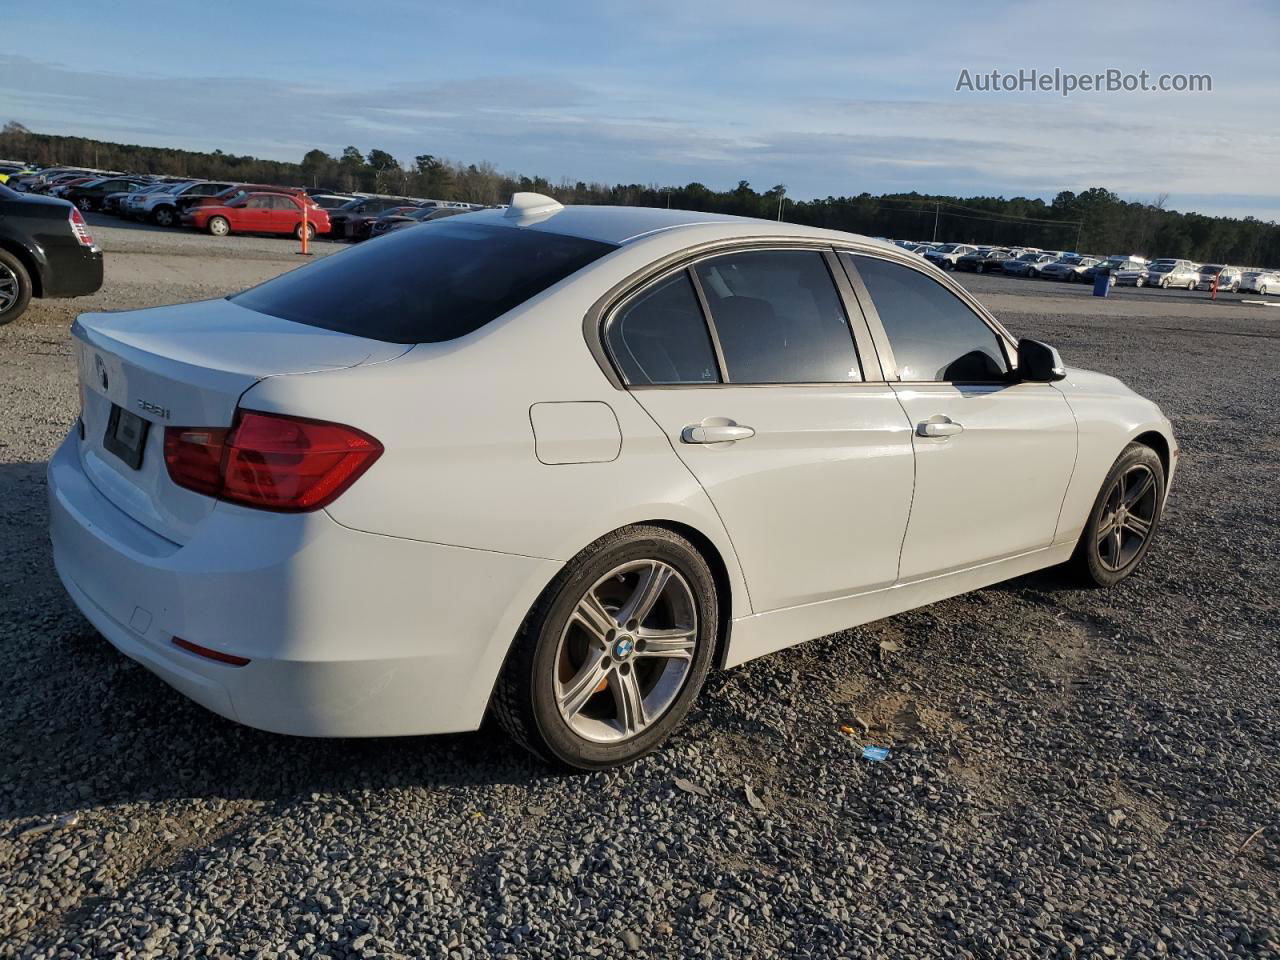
x=1038, y=362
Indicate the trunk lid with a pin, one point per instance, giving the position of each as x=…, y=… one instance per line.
x=185, y=365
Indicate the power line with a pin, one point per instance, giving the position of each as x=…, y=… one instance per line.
x=958, y=216
x=932, y=204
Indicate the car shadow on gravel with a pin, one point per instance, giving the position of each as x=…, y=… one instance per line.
x=86, y=727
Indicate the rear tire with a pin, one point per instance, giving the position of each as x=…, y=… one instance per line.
x=218, y=226
x=164, y=216
x=597, y=678
x=85, y=204
x=1124, y=518
x=15, y=288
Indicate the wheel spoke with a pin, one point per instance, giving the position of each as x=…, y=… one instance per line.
x=583, y=686
x=649, y=588
x=1137, y=525
x=677, y=642
x=628, y=699
x=1148, y=481
x=1117, y=542
x=1105, y=528
x=595, y=619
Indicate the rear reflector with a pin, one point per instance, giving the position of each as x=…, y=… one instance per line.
x=270, y=461
x=199, y=651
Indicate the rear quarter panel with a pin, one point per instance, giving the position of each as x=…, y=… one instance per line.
x=460, y=466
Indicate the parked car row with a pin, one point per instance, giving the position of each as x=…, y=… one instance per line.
x=1124, y=269
x=224, y=207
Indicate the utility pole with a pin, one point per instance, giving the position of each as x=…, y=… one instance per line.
x=936, y=208
x=1079, y=227
x=781, y=199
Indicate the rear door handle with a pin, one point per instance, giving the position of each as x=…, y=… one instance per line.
x=715, y=432
x=939, y=426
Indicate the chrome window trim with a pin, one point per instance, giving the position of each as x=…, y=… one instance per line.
x=869, y=359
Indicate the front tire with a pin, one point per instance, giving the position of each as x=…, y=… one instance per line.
x=15, y=288
x=219, y=226
x=164, y=216
x=311, y=232
x=1124, y=518
x=613, y=654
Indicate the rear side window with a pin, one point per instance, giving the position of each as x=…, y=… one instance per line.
x=660, y=336
x=779, y=318
x=933, y=333
x=426, y=285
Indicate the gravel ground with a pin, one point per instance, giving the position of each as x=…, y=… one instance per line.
x=1074, y=773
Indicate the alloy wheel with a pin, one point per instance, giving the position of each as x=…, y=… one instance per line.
x=9, y=290
x=1128, y=516
x=626, y=651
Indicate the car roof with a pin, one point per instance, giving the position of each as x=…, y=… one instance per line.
x=621, y=225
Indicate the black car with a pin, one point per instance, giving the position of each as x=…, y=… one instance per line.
x=89, y=196
x=341, y=218
x=395, y=220
x=45, y=251
x=984, y=261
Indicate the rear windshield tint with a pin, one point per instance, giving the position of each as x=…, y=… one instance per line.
x=424, y=284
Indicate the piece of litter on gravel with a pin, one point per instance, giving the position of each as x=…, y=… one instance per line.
x=688, y=786
x=866, y=727
x=69, y=820
x=755, y=802
x=1115, y=817
x=845, y=728
x=875, y=754
x=888, y=646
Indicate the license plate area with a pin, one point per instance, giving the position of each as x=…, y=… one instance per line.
x=126, y=436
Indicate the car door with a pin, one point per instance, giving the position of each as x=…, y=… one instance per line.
x=771, y=397
x=993, y=456
x=255, y=214
x=285, y=214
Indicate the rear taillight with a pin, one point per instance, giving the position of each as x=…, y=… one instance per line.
x=270, y=461
x=80, y=228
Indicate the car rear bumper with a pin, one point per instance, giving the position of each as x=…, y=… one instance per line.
x=71, y=270
x=347, y=633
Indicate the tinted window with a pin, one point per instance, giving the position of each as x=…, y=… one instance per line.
x=934, y=335
x=433, y=283
x=660, y=336
x=779, y=318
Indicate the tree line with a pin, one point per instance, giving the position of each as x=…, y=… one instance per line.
x=1093, y=221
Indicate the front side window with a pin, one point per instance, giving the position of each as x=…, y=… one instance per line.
x=433, y=283
x=933, y=333
x=660, y=336
x=778, y=317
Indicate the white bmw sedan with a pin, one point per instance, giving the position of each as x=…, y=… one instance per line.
x=557, y=463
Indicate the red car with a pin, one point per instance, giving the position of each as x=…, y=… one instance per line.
x=258, y=213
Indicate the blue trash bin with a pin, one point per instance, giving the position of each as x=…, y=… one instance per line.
x=1101, y=284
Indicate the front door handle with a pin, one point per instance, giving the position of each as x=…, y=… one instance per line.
x=939, y=426
x=718, y=430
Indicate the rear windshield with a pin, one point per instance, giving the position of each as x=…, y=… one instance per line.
x=427, y=284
